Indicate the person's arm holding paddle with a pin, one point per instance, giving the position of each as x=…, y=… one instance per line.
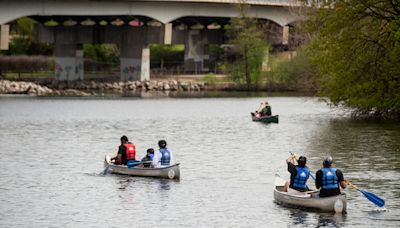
x=342, y=181
x=291, y=169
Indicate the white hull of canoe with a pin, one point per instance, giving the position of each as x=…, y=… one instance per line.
x=329, y=204
x=170, y=172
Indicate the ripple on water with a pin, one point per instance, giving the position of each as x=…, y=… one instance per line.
x=53, y=151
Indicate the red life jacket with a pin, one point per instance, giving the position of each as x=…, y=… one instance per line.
x=130, y=151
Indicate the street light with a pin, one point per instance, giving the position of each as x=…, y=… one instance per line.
x=197, y=26
x=88, y=22
x=69, y=22
x=136, y=23
x=51, y=23
x=117, y=22
x=154, y=23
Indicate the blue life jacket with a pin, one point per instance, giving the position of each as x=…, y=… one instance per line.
x=151, y=156
x=303, y=173
x=329, y=178
x=165, y=156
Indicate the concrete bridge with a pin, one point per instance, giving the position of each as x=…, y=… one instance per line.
x=134, y=24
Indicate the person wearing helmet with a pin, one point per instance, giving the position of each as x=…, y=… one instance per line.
x=329, y=179
x=126, y=152
x=163, y=157
x=299, y=175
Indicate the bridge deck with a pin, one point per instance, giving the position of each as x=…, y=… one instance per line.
x=251, y=2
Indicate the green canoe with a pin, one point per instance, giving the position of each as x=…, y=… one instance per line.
x=265, y=119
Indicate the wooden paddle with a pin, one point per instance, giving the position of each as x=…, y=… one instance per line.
x=370, y=196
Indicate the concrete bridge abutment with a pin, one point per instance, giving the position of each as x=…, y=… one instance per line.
x=197, y=53
x=68, y=55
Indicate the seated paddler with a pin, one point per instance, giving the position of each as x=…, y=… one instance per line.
x=299, y=175
x=329, y=180
x=148, y=159
x=264, y=109
x=126, y=153
x=163, y=157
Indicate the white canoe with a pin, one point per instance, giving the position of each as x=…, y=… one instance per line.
x=169, y=172
x=312, y=200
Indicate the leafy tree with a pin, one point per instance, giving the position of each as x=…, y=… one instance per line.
x=166, y=55
x=244, y=33
x=22, y=40
x=103, y=53
x=356, y=46
x=296, y=72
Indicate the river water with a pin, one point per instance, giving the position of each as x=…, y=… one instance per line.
x=52, y=152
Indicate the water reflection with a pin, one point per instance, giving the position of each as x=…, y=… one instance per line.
x=310, y=218
x=299, y=217
x=124, y=182
x=164, y=184
x=331, y=220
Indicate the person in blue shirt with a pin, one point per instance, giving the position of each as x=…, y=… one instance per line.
x=329, y=179
x=299, y=174
x=148, y=158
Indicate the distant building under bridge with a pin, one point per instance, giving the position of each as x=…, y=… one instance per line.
x=133, y=25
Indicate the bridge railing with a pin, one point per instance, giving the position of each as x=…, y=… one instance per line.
x=251, y=2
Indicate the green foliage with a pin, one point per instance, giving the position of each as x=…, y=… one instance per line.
x=166, y=54
x=22, y=40
x=356, y=46
x=25, y=27
x=210, y=79
x=245, y=35
x=294, y=71
x=103, y=53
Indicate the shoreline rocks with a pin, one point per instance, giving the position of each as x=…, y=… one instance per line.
x=87, y=88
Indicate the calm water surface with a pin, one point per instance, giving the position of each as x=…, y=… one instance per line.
x=52, y=152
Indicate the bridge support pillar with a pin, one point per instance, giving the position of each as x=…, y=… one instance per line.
x=168, y=33
x=68, y=62
x=68, y=55
x=196, y=51
x=145, y=68
x=132, y=42
x=285, y=35
x=4, y=36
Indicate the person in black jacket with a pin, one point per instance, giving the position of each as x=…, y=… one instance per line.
x=122, y=155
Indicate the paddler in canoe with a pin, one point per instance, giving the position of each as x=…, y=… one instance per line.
x=126, y=153
x=264, y=110
x=163, y=157
x=299, y=175
x=329, y=179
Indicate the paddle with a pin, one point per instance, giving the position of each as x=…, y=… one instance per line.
x=105, y=171
x=139, y=163
x=370, y=196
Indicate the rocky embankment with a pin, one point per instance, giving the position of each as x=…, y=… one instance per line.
x=86, y=88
